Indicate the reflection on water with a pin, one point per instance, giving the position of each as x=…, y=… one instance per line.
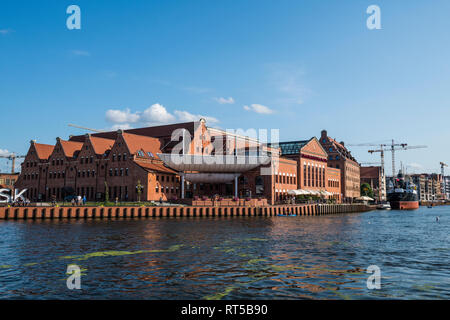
x=230, y=258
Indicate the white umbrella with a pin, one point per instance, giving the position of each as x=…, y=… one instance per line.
x=364, y=198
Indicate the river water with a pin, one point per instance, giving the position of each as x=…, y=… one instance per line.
x=321, y=257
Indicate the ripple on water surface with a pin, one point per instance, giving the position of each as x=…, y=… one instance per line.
x=230, y=258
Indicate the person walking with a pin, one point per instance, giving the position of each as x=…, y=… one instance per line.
x=79, y=199
x=84, y=200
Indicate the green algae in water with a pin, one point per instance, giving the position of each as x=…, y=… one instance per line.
x=339, y=294
x=278, y=268
x=5, y=266
x=425, y=287
x=119, y=253
x=30, y=264
x=99, y=254
x=252, y=261
x=220, y=295
x=256, y=239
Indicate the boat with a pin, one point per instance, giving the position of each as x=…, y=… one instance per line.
x=402, y=194
x=384, y=206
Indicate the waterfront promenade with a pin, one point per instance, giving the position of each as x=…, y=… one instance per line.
x=10, y=213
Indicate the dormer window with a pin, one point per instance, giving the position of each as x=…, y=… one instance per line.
x=141, y=153
x=150, y=154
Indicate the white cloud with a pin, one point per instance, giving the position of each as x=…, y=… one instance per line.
x=123, y=126
x=157, y=113
x=5, y=31
x=415, y=165
x=185, y=116
x=4, y=152
x=122, y=116
x=80, y=53
x=222, y=100
x=259, y=108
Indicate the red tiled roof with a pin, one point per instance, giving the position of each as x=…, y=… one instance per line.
x=43, y=151
x=157, y=131
x=101, y=145
x=136, y=143
x=70, y=147
x=154, y=167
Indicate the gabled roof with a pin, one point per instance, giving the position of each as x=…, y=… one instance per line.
x=341, y=149
x=292, y=147
x=43, y=151
x=137, y=143
x=156, y=132
x=101, y=145
x=160, y=167
x=70, y=147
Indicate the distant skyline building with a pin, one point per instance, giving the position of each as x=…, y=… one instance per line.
x=372, y=175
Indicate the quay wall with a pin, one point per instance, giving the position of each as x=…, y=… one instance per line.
x=14, y=213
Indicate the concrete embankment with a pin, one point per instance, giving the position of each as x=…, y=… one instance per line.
x=11, y=213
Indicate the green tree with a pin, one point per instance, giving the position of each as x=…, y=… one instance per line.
x=366, y=190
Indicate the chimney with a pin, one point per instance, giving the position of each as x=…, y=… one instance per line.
x=323, y=134
x=343, y=144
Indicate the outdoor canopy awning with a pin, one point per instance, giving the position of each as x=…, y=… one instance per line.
x=364, y=198
x=213, y=163
x=301, y=192
x=210, y=177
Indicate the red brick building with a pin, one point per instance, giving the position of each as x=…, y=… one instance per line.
x=374, y=177
x=313, y=172
x=7, y=180
x=141, y=164
x=339, y=157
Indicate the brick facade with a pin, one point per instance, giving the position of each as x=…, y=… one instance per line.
x=340, y=158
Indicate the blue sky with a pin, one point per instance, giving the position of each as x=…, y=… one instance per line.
x=300, y=66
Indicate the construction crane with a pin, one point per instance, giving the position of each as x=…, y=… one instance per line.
x=393, y=147
x=84, y=128
x=443, y=165
x=13, y=158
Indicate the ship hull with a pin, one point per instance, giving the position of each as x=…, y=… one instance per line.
x=403, y=200
x=404, y=205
